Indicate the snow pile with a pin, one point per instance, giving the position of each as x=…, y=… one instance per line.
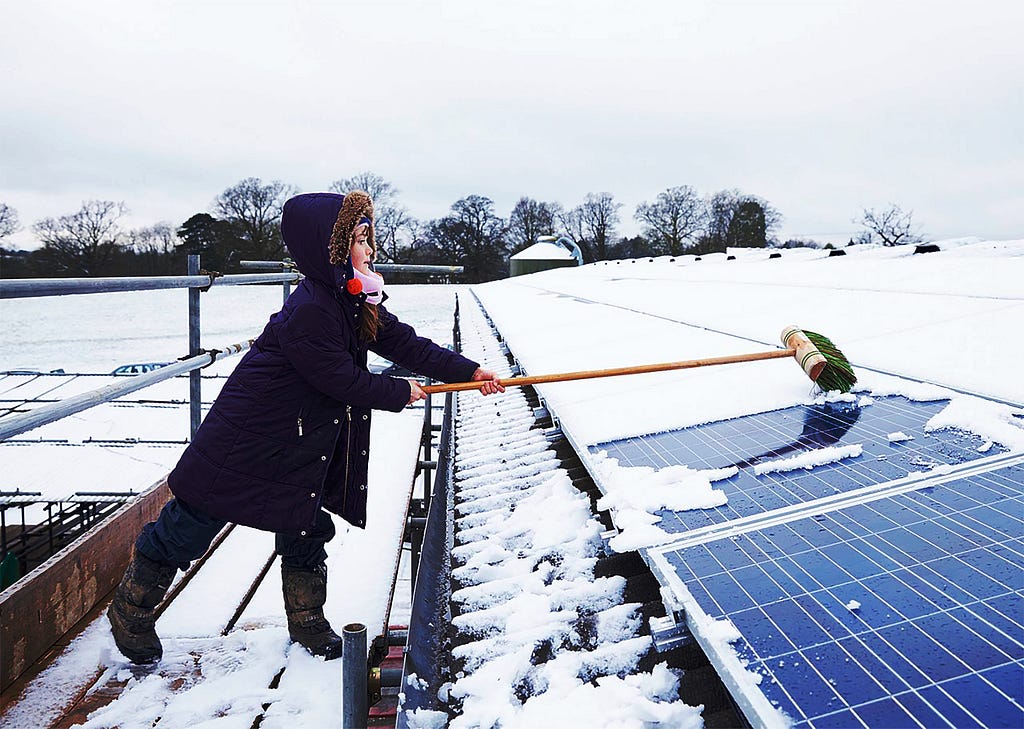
x=539, y=640
x=636, y=493
x=994, y=422
x=199, y=679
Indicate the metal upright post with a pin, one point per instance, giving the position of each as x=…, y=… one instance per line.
x=195, y=395
x=354, y=697
x=428, y=434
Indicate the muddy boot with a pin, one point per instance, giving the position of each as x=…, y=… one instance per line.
x=305, y=592
x=132, y=611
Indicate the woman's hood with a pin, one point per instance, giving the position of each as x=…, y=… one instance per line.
x=316, y=228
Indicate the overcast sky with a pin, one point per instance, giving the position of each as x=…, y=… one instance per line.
x=822, y=107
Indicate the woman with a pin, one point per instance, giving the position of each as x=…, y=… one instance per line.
x=287, y=439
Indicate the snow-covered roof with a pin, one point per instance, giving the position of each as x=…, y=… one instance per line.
x=946, y=318
x=545, y=250
x=932, y=339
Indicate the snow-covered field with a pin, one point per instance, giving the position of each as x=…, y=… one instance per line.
x=87, y=334
x=93, y=334
x=98, y=332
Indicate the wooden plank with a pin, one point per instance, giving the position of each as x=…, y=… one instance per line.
x=38, y=610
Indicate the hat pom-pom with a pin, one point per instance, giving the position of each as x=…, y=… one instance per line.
x=354, y=286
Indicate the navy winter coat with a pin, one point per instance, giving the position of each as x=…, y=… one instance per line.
x=290, y=430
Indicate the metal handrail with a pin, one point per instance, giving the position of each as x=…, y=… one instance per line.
x=378, y=267
x=15, y=288
x=12, y=425
x=197, y=281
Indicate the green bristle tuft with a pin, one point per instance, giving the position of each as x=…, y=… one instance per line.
x=838, y=374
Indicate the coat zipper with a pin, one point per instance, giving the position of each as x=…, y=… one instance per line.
x=300, y=427
x=348, y=439
x=348, y=447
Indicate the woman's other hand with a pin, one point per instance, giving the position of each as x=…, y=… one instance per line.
x=415, y=392
x=490, y=380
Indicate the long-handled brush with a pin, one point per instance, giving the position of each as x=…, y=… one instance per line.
x=816, y=354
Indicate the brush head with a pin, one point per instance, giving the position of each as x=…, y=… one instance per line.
x=837, y=373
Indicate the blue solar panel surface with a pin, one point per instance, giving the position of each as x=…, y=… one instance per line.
x=753, y=439
x=903, y=611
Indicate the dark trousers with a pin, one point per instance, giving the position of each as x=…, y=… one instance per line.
x=181, y=534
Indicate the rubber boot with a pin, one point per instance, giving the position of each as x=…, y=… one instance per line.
x=305, y=592
x=132, y=612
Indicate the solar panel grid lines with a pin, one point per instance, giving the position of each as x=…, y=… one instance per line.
x=882, y=590
x=755, y=439
x=930, y=630
x=843, y=501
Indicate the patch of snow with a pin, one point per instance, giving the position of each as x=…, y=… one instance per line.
x=810, y=459
x=636, y=493
x=899, y=436
x=992, y=421
x=415, y=681
x=426, y=719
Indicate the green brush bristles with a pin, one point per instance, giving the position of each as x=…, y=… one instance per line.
x=838, y=374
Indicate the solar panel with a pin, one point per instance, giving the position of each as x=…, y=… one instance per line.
x=905, y=610
x=879, y=590
x=754, y=439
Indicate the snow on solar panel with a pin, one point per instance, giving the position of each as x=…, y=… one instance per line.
x=755, y=440
x=881, y=589
x=903, y=609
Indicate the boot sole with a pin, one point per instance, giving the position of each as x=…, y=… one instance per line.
x=329, y=653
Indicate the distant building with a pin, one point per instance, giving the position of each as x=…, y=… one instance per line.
x=542, y=256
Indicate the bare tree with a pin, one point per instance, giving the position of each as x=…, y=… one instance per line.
x=529, y=220
x=158, y=239
x=892, y=226
x=471, y=235
x=254, y=209
x=674, y=220
x=85, y=242
x=772, y=219
x=571, y=224
x=393, y=226
x=154, y=250
x=8, y=220
x=592, y=224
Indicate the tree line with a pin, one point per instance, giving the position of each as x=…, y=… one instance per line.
x=243, y=223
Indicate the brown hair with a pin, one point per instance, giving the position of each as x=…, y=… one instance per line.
x=369, y=320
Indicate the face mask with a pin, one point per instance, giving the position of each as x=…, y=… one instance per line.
x=372, y=284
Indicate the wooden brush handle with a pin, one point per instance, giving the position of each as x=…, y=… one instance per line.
x=614, y=372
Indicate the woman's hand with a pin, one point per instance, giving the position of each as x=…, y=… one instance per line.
x=415, y=392
x=490, y=380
